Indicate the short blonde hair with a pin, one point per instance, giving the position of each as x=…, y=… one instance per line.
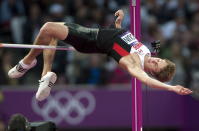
x=167, y=73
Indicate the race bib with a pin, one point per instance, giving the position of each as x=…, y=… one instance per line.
x=129, y=38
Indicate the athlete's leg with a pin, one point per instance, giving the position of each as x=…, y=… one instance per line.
x=48, y=78
x=47, y=32
x=48, y=56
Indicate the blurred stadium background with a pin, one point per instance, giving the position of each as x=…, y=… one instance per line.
x=174, y=22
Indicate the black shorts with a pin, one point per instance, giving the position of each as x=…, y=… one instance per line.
x=110, y=41
x=83, y=39
x=93, y=40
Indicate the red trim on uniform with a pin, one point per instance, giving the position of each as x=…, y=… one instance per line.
x=120, y=50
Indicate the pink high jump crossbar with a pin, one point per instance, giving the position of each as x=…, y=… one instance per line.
x=28, y=46
x=136, y=85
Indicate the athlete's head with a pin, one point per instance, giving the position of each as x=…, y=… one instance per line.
x=161, y=69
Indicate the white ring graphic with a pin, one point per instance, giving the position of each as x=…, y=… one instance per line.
x=64, y=110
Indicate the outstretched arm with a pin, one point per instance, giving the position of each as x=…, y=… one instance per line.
x=130, y=65
x=120, y=16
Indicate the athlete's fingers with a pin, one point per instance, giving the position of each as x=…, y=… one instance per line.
x=119, y=18
x=182, y=91
x=119, y=13
x=116, y=13
x=185, y=91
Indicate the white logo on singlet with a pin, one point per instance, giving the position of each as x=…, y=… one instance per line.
x=129, y=39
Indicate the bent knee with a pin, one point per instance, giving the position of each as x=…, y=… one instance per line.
x=46, y=29
x=56, y=30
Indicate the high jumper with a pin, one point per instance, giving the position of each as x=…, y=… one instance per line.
x=116, y=42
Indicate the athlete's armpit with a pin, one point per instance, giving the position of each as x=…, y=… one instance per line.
x=131, y=60
x=127, y=61
x=131, y=64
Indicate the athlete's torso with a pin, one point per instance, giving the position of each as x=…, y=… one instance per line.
x=91, y=40
x=83, y=39
x=106, y=37
x=112, y=41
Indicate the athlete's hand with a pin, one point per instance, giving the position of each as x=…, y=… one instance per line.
x=120, y=16
x=181, y=90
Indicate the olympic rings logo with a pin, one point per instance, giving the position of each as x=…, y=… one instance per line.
x=64, y=105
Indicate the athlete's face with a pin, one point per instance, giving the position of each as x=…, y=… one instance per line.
x=156, y=64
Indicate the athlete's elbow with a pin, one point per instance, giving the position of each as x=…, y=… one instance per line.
x=134, y=72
